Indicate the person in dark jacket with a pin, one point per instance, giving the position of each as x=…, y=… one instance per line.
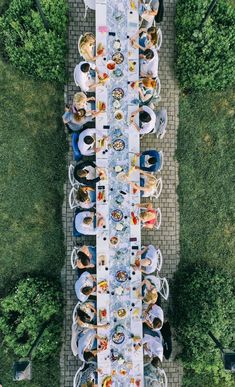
x=85, y=173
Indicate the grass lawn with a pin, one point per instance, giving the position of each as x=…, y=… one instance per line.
x=206, y=148
x=32, y=159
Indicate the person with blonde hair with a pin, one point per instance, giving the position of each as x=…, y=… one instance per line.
x=86, y=47
x=147, y=184
x=149, y=216
x=81, y=101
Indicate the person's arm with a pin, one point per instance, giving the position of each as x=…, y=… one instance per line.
x=148, y=205
x=85, y=250
x=90, y=189
x=135, y=126
x=146, y=174
x=148, y=225
x=90, y=99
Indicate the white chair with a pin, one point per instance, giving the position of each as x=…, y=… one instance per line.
x=89, y=4
x=75, y=332
x=79, y=42
x=75, y=312
x=71, y=175
x=158, y=88
x=74, y=257
x=159, y=258
x=161, y=284
x=157, y=190
x=73, y=203
x=159, y=39
x=77, y=377
x=159, y=379
x=161, y=161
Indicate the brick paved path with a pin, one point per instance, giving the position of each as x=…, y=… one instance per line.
x=167, y=238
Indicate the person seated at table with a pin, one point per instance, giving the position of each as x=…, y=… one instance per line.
x=148, y=38
x=86, y=314
x=147, y=185
x=147, y=90
x=147, y=259
x=86, y=257
x=86, y=142
x=150, y=160
x=86, y=196
x=149, y=63
x=153, y=316
x=85, y=173
x=85, y=286
x=148, y=217
x=148, y=9
x=152, y=343
x=88, y=376
x=86, y=222
x=85, y=76
x=149, y=294
x=87, y=345
x=147, y=120
x=75, y=121
x=86, y=47
x=81, y=101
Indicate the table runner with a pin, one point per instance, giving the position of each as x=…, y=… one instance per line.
x=119, y=240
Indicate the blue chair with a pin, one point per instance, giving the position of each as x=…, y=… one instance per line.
x=76, y=152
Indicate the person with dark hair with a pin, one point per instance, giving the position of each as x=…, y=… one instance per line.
x=149, y=259
x=86, y=196
x=84, y=320
x=86, y=257
x=76, y=120
x=85, y=173
x=152, y=344
x=86, y=142
x=85, y=286
x=153, y=316
x=150, y=160
x=147, y=120
x=84, y=74
x=87, y=345
x=148, y=38
x=149, y=63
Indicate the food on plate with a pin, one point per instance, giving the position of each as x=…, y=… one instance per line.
x=101, y=106
x=123, y=372
x=117, y=57
x=132, y=66
x=118, y=337
x=121, y=276
x=114, y=240
x=116, y=104
x=118, y=73
x=103, y=78
x=117, y=215
x=117, y=44
x=107, y=382
x=136, y=312
x=119, y=291
x=100, y=49
x=111, y=65
x=134, y=218
x=121, y=313
x=118, y=145
x=119, y=115
x=118, y=93
x=100, y=195
x=103, y=285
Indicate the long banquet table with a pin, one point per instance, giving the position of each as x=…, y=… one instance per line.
x=118, y=241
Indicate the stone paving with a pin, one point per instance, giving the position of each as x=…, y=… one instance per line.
x=167, y=238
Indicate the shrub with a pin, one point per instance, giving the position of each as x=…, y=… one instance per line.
x=23, y=313
x=203, y=300
x=26, y=42
x=206, y=56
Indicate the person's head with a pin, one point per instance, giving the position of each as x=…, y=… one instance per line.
x=88, y=356
x=149, y=83
x=82, y=173
x=151, y=296
x=146, y=262
x=83, y=258
x=82, y=195
x=89, y=38
x=79, y=100
x=151, y=181
x=147, y=359
x=87, y=220
x=83, y=316
x=156, y=362
x=144, y=117
x=152, y=160
x=87, y=290
x=152, y=34
x=79, y=114
x=88, y=140
x=157, y=323
x=85, y=67
x=149, y=54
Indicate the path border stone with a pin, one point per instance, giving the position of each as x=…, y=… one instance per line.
x=167, y=238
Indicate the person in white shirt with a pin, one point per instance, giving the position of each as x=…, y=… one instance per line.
x=153, y=345
x=149, y=63
x=147, y=260
x=85, y=222
x=85, y=76
x=86, y=142
x=148, y=9
x=147, y=120
x=85, y=286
